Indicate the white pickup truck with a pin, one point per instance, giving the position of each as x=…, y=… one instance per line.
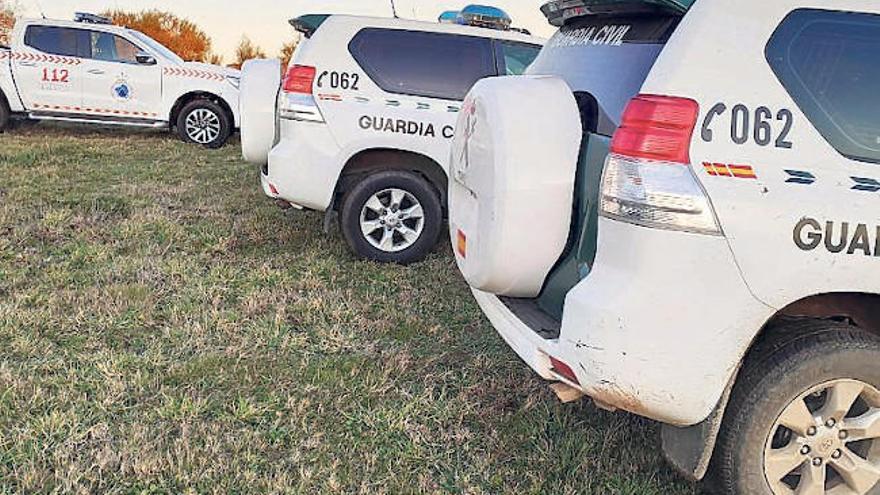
x=89, y=71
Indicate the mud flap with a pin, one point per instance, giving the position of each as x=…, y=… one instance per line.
x=689, y=450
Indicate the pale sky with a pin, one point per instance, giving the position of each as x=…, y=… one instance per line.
x=265, y=21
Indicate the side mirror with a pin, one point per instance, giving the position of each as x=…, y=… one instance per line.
x=144, y=58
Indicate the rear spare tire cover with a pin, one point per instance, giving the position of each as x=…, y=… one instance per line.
x=512, y=167
x=260, y=83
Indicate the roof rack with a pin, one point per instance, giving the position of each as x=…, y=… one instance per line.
x=87, y=18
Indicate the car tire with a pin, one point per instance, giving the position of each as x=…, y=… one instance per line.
x=789, y=381
x=205, y=123
x=5, y=114
x=405, y=210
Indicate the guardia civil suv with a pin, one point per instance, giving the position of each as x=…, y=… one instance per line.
x=364, y=118
x=675, y=213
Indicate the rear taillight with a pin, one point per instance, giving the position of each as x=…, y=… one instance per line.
x=297, y=101
x=657, y=128
x=299, y=79
x=648, y=178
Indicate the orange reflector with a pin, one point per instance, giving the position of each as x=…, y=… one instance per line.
x=272, y=189
x=462, y=244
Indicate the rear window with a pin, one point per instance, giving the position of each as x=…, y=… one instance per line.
x=827, y=61
x=58, y=41
x=516, y=57
x=434, y=65
x=605, y=60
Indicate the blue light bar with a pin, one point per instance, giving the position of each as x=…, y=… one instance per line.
x=486, y=16
x=450, y=17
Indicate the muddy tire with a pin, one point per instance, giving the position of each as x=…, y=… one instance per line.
x=5, y=114
x=392, y=217
x=796, y=416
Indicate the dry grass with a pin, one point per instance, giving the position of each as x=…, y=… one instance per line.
x=165, y=329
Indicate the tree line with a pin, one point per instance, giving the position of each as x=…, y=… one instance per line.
x=178, y=34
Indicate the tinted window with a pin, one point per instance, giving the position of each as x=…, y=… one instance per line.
x=828, y=62
x=607, y=59
x=57, y=41
x=517, y=57
x=417, y=63
x=112, y=48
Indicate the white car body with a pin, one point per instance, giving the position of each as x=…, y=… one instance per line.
x=663, y=321
x=309, y=157
x=46, y=86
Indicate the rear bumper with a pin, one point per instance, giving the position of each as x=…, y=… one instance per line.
x=657, y=329
x=304, y=166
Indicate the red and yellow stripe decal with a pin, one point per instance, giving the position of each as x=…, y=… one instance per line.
x=734, y=171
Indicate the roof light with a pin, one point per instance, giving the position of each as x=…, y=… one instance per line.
x=486, y=17
x=87, y=18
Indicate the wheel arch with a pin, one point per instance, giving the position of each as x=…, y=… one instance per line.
x=690, y=449
x=369, y=160
x=186, y=98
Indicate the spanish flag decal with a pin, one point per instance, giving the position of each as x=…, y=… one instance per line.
x=734, y=171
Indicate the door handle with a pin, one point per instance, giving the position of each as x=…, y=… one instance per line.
x=97, y=72
x=27, y=64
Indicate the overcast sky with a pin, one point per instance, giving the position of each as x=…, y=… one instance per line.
x=265, y=21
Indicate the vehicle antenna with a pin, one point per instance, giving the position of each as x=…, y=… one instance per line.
x=394, y=10
x=40, y=7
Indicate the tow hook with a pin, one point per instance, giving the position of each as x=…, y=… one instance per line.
x=566, y=393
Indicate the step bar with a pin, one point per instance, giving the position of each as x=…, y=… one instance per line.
x=97, y=119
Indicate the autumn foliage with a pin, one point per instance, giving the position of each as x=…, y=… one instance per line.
x=7, y=21
x=245, y=51
x=181, y=36
x=287, y=52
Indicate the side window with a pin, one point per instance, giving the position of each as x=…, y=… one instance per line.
x=517, y=57
x=434, y=65
x=827, y=61
x=112, y=48
x=57, y=41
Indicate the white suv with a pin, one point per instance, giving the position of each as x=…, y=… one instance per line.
x=701, y=243
x=364, y=120
x=92, y=72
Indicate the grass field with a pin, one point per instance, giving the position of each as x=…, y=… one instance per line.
x=164, y=328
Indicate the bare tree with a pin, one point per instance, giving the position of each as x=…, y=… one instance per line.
x=245, y=51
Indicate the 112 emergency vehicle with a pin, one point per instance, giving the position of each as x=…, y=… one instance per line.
x=91, y=72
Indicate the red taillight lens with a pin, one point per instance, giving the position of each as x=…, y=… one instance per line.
x=657, y=128
x=299, y=79
x=564, y=370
